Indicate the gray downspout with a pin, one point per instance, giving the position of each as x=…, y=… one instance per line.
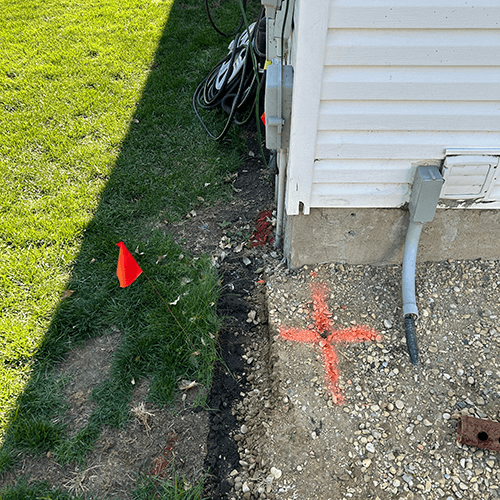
x=424, y=198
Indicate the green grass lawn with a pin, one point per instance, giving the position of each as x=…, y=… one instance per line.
x=98, y=143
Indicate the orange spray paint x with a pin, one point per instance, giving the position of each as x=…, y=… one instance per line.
x=327, y=338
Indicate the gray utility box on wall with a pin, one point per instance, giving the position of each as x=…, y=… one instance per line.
x=425, y=193
x=278, y=105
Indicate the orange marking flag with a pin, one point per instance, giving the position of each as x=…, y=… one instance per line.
x=318, y=334
x=128, y=270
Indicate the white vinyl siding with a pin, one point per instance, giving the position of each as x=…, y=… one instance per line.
x=400, y=81
x=414, y=14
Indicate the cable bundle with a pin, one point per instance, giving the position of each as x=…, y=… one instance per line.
x=233, y=82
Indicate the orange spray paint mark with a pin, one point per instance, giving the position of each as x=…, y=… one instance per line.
x=263, y=229
x=161, y=463
x=314, y=335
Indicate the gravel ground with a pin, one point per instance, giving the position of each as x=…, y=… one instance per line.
x=395, y=435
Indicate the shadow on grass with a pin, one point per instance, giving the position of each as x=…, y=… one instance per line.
x=166, y=164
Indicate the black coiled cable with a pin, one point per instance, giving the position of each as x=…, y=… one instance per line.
x=232, y=83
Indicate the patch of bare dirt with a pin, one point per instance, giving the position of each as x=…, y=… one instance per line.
x=154, y=440
x=86, y=368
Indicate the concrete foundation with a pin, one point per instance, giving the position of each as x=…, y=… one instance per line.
x=377, y=236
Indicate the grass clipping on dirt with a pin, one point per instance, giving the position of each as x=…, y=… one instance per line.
x=98, y=144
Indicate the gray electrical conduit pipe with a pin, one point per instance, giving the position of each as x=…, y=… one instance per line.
x=410, y=310
x=424, y=198
x=410, y=258
x=282, y=158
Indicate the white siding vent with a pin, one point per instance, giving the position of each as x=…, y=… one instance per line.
x=467, y=177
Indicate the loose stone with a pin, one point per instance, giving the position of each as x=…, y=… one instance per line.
x=408, y=479
x=370, y=448
x=276, y=473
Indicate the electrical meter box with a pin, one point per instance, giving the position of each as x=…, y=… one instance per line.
x=278, y=105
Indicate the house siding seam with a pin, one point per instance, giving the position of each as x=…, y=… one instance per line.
x=401, y=82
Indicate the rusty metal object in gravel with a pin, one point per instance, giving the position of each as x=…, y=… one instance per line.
x=479, y=433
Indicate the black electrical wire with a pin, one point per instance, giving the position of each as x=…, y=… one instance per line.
x=242, y=19
x=207, y=95
x=232, y=84
x=411, y=338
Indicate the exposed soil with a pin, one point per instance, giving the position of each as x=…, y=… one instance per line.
x=229, y=234
x=197, y=441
